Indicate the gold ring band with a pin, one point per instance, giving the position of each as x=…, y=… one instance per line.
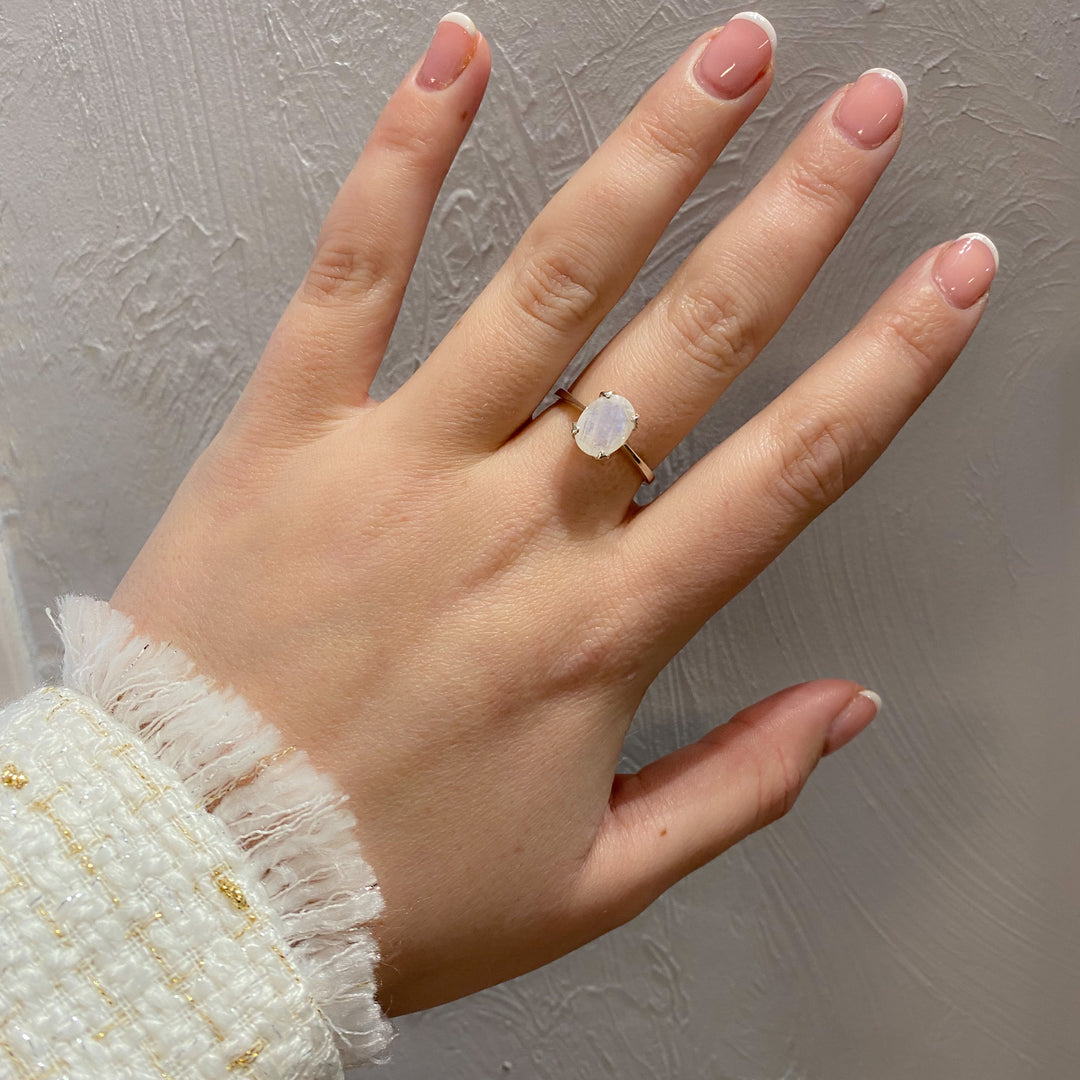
x=631, y=418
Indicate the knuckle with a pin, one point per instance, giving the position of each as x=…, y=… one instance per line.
x=557, y=288
x=411, y=135
x=340, y=272
x=813, y=467
x=593, y=651
x=660, y=135
x=780, y=779
x=709, y=330
x=915, y=338
x=600, y=646
x=813, y=181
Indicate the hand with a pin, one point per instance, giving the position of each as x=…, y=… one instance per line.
x=452, y=608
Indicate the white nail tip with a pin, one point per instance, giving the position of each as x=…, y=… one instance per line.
x=875, y=698
x=461, y=20
x=886, y=73
x=987, y=241
x=761, y=21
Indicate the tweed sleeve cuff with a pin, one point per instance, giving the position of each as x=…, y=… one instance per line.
x=290, y=839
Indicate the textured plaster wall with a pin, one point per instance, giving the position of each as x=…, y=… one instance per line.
x=164, y=166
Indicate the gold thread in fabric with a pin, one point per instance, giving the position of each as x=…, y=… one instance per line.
x=99, y=1035
x=138, y=933
x=154, y=792
x=17, y=881
x=245, y=1060
x=61, y=702
x=253, y=920
x=51, y=923
x=62, y=698
x=291, y=969
x=20, y=1066
x=12, y=776
x=86, y=970
x=44, y=806
x=122, y=751
x=231, y=889
x=155, y=1060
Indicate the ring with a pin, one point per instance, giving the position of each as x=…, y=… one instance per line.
x=604, y=426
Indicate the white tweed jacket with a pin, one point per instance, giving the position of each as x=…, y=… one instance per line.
x=181, y=894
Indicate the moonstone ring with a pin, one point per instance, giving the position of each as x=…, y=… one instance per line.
x=604, y=426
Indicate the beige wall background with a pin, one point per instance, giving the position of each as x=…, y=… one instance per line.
x=164, y=166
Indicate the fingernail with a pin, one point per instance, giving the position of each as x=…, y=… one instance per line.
x=855, y=716
x=449, y=53
x=965, y=268
x=871, y=109
x=736, y=58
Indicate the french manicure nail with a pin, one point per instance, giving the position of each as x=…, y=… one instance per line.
x=449, y=53
x=870, y=111
x=855, y=716
x=736, y=58
x=965, y=268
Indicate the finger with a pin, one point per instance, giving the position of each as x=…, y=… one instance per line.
x=731, y=514
x=577, y=258
x=686, y=808
x=328, y=345
x=735, y=290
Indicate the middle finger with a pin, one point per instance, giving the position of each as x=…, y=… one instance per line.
x=486, y=377
x=734, y=291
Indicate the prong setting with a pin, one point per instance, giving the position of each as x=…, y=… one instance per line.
x=604, y=425
x=620, y=416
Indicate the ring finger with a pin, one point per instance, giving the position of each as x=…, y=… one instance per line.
x=734, y=291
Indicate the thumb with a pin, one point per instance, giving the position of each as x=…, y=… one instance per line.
x=686, y=808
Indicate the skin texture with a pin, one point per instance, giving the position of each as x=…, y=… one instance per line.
x=452, y=609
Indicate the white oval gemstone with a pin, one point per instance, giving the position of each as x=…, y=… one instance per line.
x=604, y=425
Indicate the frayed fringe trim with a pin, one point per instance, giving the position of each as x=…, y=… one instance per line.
x=290, y=821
